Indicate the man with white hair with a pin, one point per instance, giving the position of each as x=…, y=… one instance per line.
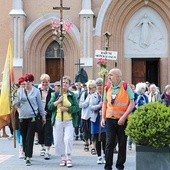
x=118, y=102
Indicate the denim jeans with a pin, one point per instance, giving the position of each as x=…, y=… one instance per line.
x=114, y=130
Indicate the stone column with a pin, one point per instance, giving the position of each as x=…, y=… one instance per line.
x=18, y=16
x=86, y=34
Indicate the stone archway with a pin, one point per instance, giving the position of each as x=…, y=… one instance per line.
x=38, y=37
x=115, y=20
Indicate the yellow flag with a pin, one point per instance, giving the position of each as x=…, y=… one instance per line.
x=7, y=83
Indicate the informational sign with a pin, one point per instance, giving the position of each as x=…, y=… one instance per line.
x=109, y=55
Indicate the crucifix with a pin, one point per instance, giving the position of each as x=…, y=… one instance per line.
x=79, y=64
x=107, y=37
x=61, y=38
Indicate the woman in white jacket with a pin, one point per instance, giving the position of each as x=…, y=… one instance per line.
x=98, y=132
x=86, y=112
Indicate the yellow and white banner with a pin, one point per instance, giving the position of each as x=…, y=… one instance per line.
x=7, y=86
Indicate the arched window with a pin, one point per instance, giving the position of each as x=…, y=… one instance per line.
x=53, y=51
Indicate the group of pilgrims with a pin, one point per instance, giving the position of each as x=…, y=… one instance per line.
x=69, y=111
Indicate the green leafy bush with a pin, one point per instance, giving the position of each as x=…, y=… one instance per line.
x=150, y=125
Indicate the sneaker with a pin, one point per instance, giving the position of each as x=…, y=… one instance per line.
x=10, y=137
x=130, y=147
x=99, y=160
x=63, y=163
x=42, y=153
x=47, y=156
x=28, y=163
x=93, y=151
x=36, y=141
x=81, y=137
x=76, y=137
x=21, y=155
x=115, y=151
x=69, y=163
x=104, y=160
x=4, y=136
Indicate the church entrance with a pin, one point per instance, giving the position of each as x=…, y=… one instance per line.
x=145, y=70
x=53, y=68
x=53, y=57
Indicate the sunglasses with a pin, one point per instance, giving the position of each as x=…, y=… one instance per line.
x=27, y=80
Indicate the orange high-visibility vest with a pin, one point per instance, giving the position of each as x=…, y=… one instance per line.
x=120, y=104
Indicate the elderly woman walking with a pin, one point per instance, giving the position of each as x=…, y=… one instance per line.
x=64, y=107
x=98, y=132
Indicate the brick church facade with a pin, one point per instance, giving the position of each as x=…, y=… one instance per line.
x=138, y=30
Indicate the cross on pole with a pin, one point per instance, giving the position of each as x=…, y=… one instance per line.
x=61, y=8
x=79, y=64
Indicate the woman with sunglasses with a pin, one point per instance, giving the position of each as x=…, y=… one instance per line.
x=29, y=104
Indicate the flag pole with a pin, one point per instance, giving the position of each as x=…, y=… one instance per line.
x=13, y=90
x=12, y=113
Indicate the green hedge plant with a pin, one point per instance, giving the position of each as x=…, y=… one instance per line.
x=150, y=125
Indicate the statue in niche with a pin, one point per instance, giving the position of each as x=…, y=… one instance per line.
x=145, y=33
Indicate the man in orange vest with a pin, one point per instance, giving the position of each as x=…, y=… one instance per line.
x=118, y=102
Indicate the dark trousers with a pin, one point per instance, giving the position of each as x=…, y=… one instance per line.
x=86, y=128
x=100, y=145
x=78, y=127
x=114, y=130
x=40, y=130
x=45, y=133
x=48, y=133
x=27, y=127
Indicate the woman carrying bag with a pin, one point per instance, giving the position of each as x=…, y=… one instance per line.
x=29, y=104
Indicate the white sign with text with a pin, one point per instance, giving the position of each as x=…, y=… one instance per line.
x=109, y=55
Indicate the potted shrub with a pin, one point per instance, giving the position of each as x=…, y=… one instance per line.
x=149, y=128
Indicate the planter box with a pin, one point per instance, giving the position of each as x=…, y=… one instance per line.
x=152, y=159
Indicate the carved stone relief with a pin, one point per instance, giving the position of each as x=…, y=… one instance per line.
x=146, y=35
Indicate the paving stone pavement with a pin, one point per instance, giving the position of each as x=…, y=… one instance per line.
x=81, y=160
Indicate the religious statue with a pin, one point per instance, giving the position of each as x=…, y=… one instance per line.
x=81, y=76
x=107, y=37
x=145, y=33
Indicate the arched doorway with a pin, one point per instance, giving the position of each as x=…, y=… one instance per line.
x=53, y=57
x=146, y=70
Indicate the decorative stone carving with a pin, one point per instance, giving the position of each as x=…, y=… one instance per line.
x=145, y=33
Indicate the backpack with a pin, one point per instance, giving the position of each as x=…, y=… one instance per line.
x=85, y=94
x=124, y=86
